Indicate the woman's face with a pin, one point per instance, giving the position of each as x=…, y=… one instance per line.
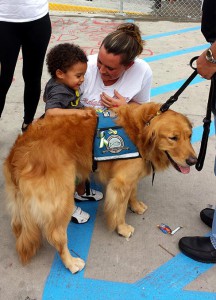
x=110, y=66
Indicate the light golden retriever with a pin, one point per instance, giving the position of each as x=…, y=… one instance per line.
x=44, y=162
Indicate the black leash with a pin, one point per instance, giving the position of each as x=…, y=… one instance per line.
x=206, y=123
x=164, y=107
x=211, y=107
x=174, y=98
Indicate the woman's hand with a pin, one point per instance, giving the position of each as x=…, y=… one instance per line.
x=108, y=101
x=204, y=67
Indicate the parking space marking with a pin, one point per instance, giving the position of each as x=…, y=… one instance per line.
x=169, y=33
x=174, y=86
x=177, y=53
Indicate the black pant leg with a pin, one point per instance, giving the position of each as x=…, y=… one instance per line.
x=35, y=40
x=9, y=51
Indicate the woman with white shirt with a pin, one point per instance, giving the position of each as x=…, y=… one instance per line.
x=24, y=24
x=115, y=76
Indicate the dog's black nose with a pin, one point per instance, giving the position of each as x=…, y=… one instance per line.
x=191, y=160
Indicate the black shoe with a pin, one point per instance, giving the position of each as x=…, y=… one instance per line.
x=207, y=216
x=198, y=248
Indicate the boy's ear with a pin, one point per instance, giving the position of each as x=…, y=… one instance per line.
x=59, y=74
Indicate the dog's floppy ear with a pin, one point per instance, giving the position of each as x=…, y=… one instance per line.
x=151, y=140
x=147, y=141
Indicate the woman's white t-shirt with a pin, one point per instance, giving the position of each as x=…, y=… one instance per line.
x=22, y=10
x=134, y=84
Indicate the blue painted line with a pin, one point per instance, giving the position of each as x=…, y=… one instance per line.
x=129, y=21
x=176, y=53
x=164, y=34
x=174, y=86
x=170, y=279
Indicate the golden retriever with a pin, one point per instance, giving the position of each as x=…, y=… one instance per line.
x=44, y=162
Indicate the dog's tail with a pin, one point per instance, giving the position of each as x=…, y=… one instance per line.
x=11, y=193
x=26, y=231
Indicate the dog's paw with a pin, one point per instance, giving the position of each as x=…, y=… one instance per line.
x=138, y=207
x=76, y=265
x=125, y=230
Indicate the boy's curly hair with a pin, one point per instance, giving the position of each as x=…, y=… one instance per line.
x=64, y=56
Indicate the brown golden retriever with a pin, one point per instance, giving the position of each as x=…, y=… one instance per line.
x=44, y=162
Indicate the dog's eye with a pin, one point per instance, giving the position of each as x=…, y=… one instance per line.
x=173, y=138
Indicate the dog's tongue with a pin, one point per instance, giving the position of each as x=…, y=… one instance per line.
x=184, y=170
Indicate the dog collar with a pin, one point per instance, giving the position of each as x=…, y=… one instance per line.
x=157, y=114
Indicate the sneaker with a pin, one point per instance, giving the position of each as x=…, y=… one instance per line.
x=79, y=216
x=93, y=196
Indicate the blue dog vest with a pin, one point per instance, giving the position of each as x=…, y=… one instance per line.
x=111, y=141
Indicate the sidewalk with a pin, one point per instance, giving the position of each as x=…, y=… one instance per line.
x=149, y=265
